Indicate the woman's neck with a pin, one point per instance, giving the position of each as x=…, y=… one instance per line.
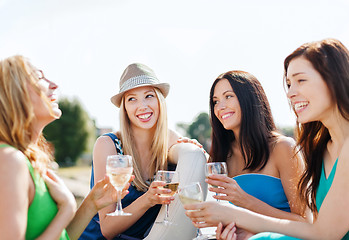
x=338, y=128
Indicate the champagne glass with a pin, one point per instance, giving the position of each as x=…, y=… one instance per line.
x=216, y=168
x=172, y=180
x=119, y=169
x=190, y=194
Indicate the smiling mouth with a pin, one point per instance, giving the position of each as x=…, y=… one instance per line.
x=300, y=106
x=145, y=116
x=226, y=115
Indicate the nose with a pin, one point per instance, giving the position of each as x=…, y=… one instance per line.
x=221, y=105
x=291, y=92
x=143, y=104
x=53, y=85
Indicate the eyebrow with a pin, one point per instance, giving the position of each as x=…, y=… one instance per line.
x=228, y=91
x=150, y=91
x=146, y=92
x=295, y=74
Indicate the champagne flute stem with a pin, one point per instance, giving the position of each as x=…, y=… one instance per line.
x=166, y=215
x=118, y=204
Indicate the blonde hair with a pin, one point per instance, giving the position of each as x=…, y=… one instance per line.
x=159, y=142
x=17, y=110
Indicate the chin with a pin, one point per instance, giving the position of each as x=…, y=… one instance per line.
x=304, y=120
x=57, y=113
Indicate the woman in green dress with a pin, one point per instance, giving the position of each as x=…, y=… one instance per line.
x=35, y=203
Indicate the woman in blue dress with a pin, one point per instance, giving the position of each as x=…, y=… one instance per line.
x=317, y=80
x=262, y=165
x=145, y=136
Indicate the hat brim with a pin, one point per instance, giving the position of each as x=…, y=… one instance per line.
x=163, y=87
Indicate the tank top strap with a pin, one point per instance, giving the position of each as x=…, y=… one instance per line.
x=2, y=145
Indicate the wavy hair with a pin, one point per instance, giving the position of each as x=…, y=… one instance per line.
x=330, y=58
x=17, y=110
x=159, y=142
x=257, y=124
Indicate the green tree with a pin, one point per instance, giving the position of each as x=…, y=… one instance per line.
x=71, y=134
x=287, y=131
x=199, y=129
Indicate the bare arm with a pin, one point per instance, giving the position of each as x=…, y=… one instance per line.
x=101, y=195
x=332, y=221
x=14, y=193
x=17, y=195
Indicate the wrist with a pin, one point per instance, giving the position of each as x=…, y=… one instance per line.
x=67, y=211
x=145, y=201
x=90, y=204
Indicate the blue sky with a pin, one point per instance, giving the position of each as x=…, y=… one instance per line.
x=85, y=45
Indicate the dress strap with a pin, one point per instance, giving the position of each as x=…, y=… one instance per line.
x=116, y=141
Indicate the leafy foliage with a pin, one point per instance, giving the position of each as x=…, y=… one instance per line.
x=199, y=129
x=71, y=134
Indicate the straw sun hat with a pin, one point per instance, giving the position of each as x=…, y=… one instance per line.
x=138, y=75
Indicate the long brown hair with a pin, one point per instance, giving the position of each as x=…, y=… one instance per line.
x=331, y=59
x=17, y=110
x=257, y=122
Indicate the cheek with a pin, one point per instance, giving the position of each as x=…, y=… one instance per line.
x=215, y=112
x=128, y=110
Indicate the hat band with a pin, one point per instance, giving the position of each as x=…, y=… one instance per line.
x=138, y=80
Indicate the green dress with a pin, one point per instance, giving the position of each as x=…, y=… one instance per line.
x=43, y=208
x=323, y=188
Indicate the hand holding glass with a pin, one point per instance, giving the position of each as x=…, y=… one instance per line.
x=172, y=180
x=191, y=194
x=216, y=168
x=119, y=169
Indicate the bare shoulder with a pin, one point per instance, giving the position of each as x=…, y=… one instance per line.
x=12, y=158
x=284, y=143
x=104, y=143
x=13, y=165
x=284, y=152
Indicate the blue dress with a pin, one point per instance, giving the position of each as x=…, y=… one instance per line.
x=265, y=188
x=137, y=231
x=323, y=188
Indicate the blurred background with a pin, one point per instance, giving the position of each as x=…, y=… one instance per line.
x=84, y=46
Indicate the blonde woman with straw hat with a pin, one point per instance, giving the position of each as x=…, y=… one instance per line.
x=145, y=136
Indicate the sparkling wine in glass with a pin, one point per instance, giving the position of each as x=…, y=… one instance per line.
x=190, y=194
x=119, y=169
x=216, y=168
x=172, y=180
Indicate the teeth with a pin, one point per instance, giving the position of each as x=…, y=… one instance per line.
x=144, y=116
x=300, y=105
x=226, y=115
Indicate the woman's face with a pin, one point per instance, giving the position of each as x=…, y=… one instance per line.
x=308, y=92
x=226, y=105
x=142, y=107
x=44, y=113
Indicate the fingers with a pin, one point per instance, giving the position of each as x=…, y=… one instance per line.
x=131, y=178
x=229, y=231
x=156, y=184
x=220, y=177
x=193, y=141
x=52, y=175
x=202, y=224
x=159, y=195
x=51, y=178
x=219, y=230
